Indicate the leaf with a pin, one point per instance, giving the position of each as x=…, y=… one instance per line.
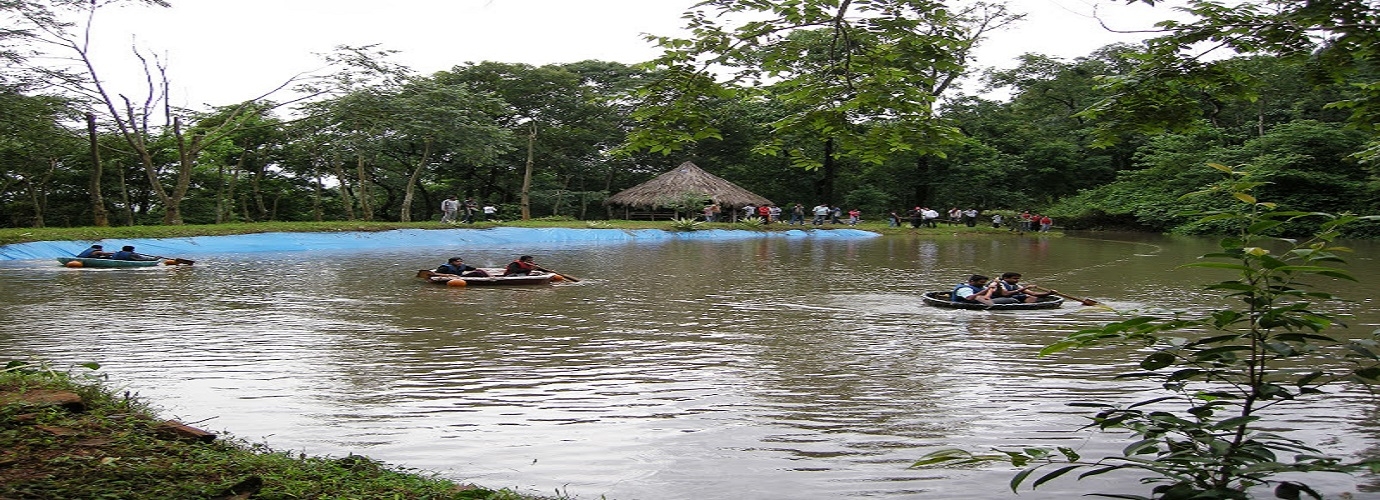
x=1053, y=475
x=1141, y=447
x=1069, y=454
x=1233, y=423
x=1019, y=478
x=1157, y=360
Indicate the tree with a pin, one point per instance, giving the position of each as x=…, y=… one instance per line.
x=130, y=116
x=860, y=77
x=568, y=115
x=1337, y=40
x=32, y=147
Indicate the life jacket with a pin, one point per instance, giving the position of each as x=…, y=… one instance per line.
x=519, y=267
x=955, y=297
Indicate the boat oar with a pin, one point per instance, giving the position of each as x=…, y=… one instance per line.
x=1086, y=302
x=566, y=277
x=176, y=261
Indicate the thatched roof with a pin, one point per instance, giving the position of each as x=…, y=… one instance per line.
x=687, y=180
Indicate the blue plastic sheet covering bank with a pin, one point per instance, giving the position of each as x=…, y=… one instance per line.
x=410, y=238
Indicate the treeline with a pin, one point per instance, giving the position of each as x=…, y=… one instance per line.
x=374, y=141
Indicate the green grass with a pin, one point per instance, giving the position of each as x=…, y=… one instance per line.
x=24, y=235
x=115, y=450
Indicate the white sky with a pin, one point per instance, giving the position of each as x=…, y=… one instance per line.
x=226, y=51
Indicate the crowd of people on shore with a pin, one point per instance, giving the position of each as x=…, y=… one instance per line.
x=464, y=212
x=455, y=211
x=917, y=217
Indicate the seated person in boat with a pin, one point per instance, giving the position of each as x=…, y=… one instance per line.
x=95, y=252
x=127, y=253
x=522, y=267
x=1008, y=290
x=975, y=291
x=457, y=267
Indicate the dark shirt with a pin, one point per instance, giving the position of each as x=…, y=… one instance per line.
x=124, y=255
x=447, y=268
x=93, y=253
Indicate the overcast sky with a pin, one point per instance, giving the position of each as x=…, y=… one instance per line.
x=222, y=51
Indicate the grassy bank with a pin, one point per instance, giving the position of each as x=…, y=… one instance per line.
x=25, y=235
x=67, y=435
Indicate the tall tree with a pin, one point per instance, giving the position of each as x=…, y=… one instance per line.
x=860, y=77
x=132, y=116
x=1339, y=40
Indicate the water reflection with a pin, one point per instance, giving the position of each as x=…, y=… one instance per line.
x=786, y=368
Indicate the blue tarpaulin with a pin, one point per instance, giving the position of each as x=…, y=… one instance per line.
x=409, y=238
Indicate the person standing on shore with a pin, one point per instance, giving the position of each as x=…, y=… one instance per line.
x=448, y=209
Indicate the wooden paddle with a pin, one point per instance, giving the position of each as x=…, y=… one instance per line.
x=176, y=261
x=567, y=277
x=1086, y=302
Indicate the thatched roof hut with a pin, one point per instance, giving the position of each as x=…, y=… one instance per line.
x=686, y=182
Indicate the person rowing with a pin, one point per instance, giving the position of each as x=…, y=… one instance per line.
x=457, y=267
x=974, y=291
x=95, y=252
x=523, y=266
x=127, y=253
x=1008, y=290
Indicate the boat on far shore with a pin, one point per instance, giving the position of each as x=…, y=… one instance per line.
x=941, y=299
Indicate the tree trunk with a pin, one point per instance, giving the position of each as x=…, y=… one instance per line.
x=362, y=190
x=527, y=174
x=316, y=193
x=38, y=192
x=923, y=176
x=100, y=217
x=405, y=214
x=830, y=171
x=220, y=194
x=186, y=157
x=124, y=197
x=256, y=184
x=345, y=199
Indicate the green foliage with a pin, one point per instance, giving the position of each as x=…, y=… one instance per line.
x=1224, y=369
x=1304, y=163
x=1177, y=83
x=864, y=74
x=872, y=200
x=685, y=224
x=753, y=223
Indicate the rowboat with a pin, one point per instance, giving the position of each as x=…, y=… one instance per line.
x=941, y=299
x=495, y=278
x=106, y=263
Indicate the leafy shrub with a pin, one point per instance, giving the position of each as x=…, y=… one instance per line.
x=685, y=224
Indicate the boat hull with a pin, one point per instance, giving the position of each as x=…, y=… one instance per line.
x=941, y=299
x=107, y=263
x=494, y=280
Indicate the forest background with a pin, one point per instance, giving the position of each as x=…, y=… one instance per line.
x=856, y=104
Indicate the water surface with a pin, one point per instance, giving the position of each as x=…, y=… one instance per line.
x=761, y=367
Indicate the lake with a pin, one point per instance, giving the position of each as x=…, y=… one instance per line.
x=744, y=366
